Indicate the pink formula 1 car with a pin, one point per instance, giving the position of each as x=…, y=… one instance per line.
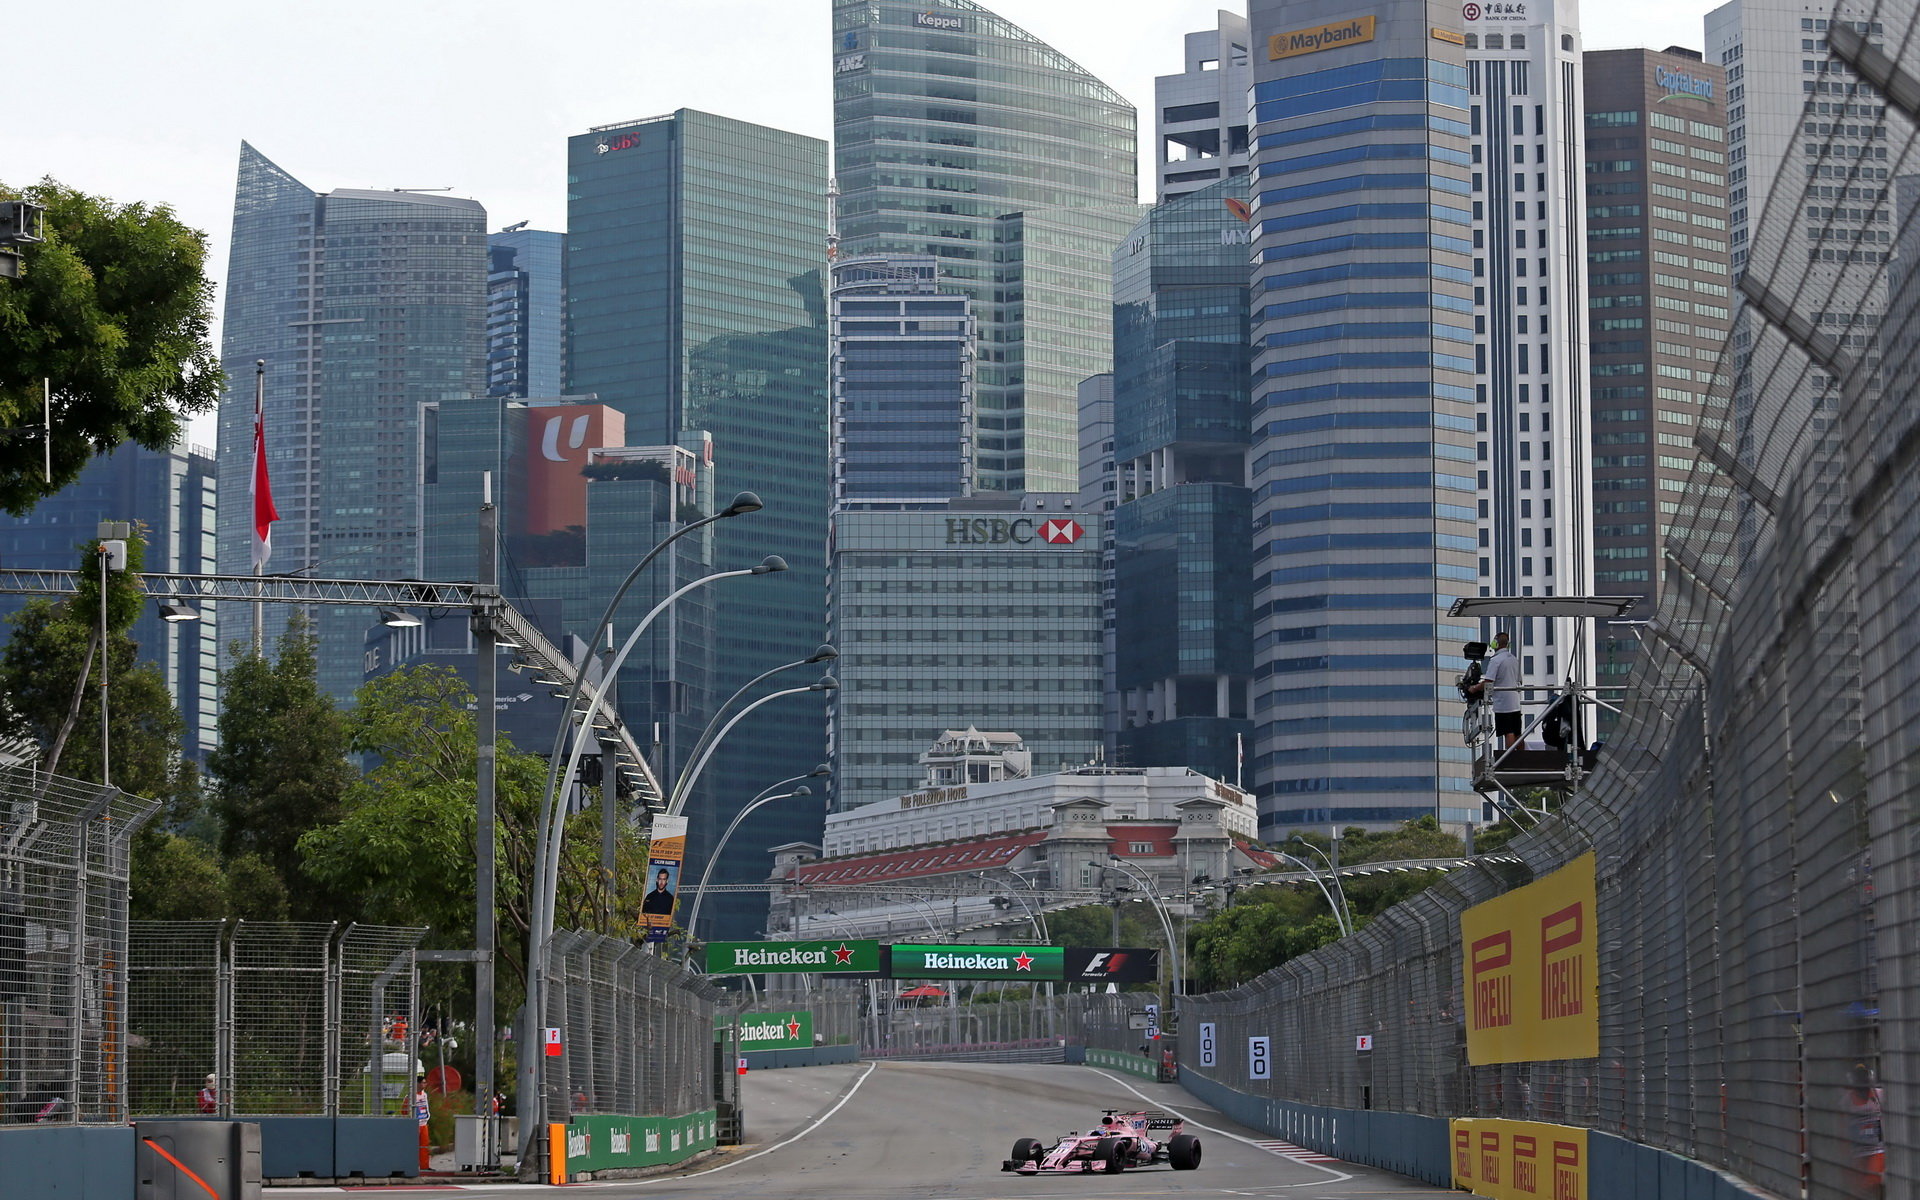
x=1121, y=1141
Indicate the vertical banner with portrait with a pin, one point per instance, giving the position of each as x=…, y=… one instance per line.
x=660, y=893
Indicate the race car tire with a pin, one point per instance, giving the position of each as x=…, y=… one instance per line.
x=1184, y=1152
x=1113, y=1152
x=1028, y=1150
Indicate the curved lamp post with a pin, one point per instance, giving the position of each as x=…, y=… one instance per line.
x=1342, y=914
x=1159, y=910
x=714, y=856
x=677, y=795
x=826, y=683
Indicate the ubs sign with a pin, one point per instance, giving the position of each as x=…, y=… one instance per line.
x=1019, y=531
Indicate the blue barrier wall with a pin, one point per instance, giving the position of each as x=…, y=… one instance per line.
x=335, y=1147
x=810, y=1056
x=1414, y=1145
x=75, y=1162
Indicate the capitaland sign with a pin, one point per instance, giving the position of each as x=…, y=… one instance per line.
x=976, y=962
x=1681, y=83
x=847, y=957
x=1320, y=37
x=1017, y=531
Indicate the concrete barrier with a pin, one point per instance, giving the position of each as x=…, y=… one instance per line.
x=73, y=1162
x=808, y=1056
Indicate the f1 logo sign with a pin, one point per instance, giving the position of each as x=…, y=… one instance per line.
x=1060, y=532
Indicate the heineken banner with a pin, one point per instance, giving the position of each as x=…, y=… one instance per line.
x=976, y=962
x=844, y=956
x=775, y=1031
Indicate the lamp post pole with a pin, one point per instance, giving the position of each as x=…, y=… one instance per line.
x=485, y=729
x=677, y=796
x=691, y=775
x=1342, y=915
x=1166, y=925
x=700, y=893
x=532, y=1104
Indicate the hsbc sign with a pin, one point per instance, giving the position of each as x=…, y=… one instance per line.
x=1018, y=531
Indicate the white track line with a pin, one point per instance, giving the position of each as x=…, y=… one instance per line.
x=1337, y=1175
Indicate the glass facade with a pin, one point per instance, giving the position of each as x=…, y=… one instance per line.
x=986, y=614
x=1362, y=458
x=1182, y=536
x=961, y=136
x=526, y=301
x=366, y=305
x=696, y=300
x=902, y=384
x=171, y=494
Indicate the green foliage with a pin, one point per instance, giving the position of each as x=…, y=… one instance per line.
x=1255, y=936
x=115, y=308
x=280, y=767
x=175, y=878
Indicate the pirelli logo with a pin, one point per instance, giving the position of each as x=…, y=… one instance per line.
x=1319, y=37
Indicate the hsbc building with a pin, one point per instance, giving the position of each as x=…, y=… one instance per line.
x=983, y=611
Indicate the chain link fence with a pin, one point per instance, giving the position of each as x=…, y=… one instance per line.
x=63, y=947
x=290, y=1018
x=1753, y=815
x=638, y=1031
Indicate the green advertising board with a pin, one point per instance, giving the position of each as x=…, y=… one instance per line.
x=615, y=1143
x=775, y=1031
x=977, y=962
x=832, y=957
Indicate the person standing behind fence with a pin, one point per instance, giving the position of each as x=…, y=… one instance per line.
x=421, y=1111
x=1861, y=1102
x=1501, y=683
x=210, y=1097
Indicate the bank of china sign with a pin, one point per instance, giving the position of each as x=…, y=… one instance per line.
x=1319, y=37
x=845, y=957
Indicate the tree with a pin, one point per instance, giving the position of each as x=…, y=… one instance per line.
x=280, y=767
x=114, y=308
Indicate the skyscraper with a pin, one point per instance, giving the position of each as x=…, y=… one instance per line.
x=1201, y=113
x=959, y=135
x=1182, y=538
x=1660, y=301
x=902, y=384
x=171, y=494
x=696, y=300
x=1530, y=313
x=364, y=305
x=526, y=299
x=1363, y=458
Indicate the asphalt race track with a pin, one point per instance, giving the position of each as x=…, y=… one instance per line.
x=900, y=1131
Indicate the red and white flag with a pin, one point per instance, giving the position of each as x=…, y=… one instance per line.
x=264, y=514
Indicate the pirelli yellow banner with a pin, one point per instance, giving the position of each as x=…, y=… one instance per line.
x=1320, y=37
x=1531, y=971
x=1519, y=1160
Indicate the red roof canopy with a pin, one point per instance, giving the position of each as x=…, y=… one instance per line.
x=924, y=991
x=927, y=860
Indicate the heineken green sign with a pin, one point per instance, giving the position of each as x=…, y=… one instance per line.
x=845, y=957
x=776, y=1031
x=977, y=962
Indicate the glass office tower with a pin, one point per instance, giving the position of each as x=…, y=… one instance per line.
x=1362, y=462
x=959, y=135
x=526, y=298
x=365, y=305
x=1182, y=538
x=696, y=299
x=171, y=493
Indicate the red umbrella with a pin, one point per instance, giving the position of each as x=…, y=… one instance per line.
x=924, y=991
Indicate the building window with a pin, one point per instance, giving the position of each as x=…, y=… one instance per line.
x=1139, y=847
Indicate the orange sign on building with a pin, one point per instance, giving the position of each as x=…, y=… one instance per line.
x=559, y=439
x=1531, y=971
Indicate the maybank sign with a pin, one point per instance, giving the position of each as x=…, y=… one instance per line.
x=1320, y=37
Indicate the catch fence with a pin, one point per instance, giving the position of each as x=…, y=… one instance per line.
x=290, y=1018
x=64, y=847
x=1753, y=813
x=638, y=1031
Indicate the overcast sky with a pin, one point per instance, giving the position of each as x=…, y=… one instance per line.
x=149, y=101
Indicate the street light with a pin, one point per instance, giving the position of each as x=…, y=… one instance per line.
x=1159, y=910
x=713, y=857
x=175, y=613
x=1341, y=916
x=677, y=797
x=532, y=1074
x=399, y=618
x=688, y=778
